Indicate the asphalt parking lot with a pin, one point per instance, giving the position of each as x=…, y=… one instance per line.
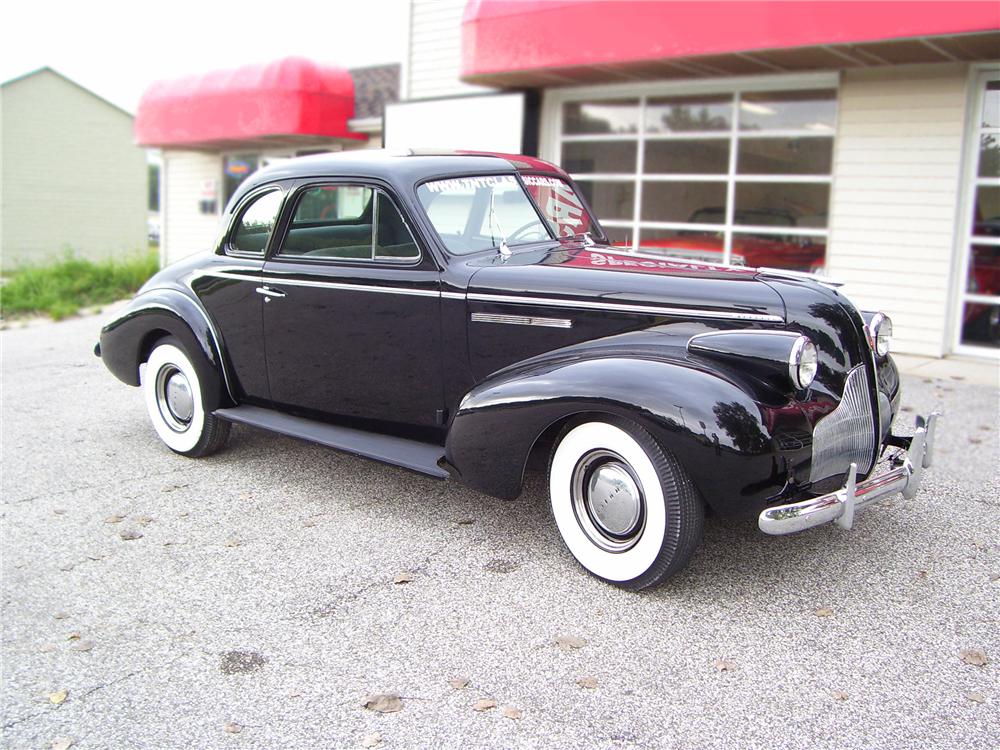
x=257, y=605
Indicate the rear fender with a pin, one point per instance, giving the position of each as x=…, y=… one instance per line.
x=712, y=425
x=126, y=340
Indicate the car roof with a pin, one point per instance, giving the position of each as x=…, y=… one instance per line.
x=400, y=168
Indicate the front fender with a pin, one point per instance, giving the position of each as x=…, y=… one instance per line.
x=719, y=433
x=125, y=340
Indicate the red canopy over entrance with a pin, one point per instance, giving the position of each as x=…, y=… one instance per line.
x=293, y=99
x=539, y=42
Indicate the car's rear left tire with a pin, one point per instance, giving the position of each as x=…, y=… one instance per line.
x=627, y=510
x=175, y=402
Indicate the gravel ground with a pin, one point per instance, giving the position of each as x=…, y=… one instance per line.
x=261, y=594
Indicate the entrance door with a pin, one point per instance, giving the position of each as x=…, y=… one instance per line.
x=978, y=329
x=352, y=311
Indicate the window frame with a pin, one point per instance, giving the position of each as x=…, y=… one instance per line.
x=965, y=237
x=247, y=202
x=553, y=139
x=301, y=188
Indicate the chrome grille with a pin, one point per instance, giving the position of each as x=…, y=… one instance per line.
x=847, y=434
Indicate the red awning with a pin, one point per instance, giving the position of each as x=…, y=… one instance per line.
x=534, y=42
x=293, y=99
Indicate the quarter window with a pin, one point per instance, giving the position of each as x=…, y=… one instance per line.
x=256, y=224
x=740, y=177
x=348, y=222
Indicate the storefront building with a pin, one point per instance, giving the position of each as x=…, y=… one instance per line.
x=216, y=129
x=858, y=140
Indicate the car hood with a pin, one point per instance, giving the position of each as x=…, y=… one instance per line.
x=597, y=274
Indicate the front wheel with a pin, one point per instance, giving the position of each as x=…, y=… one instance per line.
x=626, y=509
x=174, y=401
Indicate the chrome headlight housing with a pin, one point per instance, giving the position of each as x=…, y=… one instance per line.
x=880, y=330
x=803, y=362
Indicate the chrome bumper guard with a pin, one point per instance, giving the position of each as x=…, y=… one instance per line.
x=840, y=506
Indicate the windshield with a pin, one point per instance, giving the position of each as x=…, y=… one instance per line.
x=479, y=213
x=559, y=204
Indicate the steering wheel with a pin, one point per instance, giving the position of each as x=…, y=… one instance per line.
x=539, y=229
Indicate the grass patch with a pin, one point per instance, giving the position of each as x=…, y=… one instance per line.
x=60, y=289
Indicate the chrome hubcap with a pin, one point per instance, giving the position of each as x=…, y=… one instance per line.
x=173, y=395
x=608, y=500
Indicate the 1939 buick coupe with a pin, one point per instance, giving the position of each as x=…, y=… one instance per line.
x=462, y=315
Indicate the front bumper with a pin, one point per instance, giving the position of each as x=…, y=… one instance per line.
x=839, y=506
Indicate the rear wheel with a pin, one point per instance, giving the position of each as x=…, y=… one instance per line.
x=626, y=509
x=175, y=404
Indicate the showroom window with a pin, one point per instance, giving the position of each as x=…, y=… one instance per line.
x=739, y=177
x=979, y=302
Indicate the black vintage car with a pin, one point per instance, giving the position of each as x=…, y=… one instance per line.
x=463, y=315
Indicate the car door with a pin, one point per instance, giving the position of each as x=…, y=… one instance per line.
x=226, y=288
x=352, y=310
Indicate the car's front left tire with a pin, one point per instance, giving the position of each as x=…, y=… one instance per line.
x=175, y=402
x=627, y=510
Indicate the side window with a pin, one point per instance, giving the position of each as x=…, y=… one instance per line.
x=256, y=223
x=349, y=222
x=393, y=240
x=332, y=221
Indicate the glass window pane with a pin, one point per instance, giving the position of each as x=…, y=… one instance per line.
x=511, y=216
x=476, y=213
x=614, y=116
x=782, y=204
x=986, y=213
x=392, y=238
x=256, y=223
x=609, y=200
x=989, y=155
x=790, y=252
x=235, y=169
x=607, y=157
x=619, y=236
x=785, y=156
x=559, y=204
x=981, y=324
x=789, y=110
x=984, y=270
x=683, y=243
x=685, y=114
x=687, y=157
x=332, y=221
x=697, y=202
x=991, y=105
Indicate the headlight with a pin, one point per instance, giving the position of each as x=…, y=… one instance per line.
x=881, y=333
x=803, y=361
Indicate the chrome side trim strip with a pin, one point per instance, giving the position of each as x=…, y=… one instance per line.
x=325, y=284
x=627, y=308
x=521, y=320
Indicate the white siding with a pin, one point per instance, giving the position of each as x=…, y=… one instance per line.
x=72, y=179
x=185, y=229
x=897, y=171
x=435, y=57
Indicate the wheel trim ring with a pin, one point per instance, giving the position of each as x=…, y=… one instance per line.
x=164, y=377
x=592, y=525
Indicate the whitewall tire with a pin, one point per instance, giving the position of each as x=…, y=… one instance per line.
x=626, y=509
x=173, y=394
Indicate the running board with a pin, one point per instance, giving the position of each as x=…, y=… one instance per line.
x=409, y=454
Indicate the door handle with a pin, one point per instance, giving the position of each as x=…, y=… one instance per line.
x=269, y=293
